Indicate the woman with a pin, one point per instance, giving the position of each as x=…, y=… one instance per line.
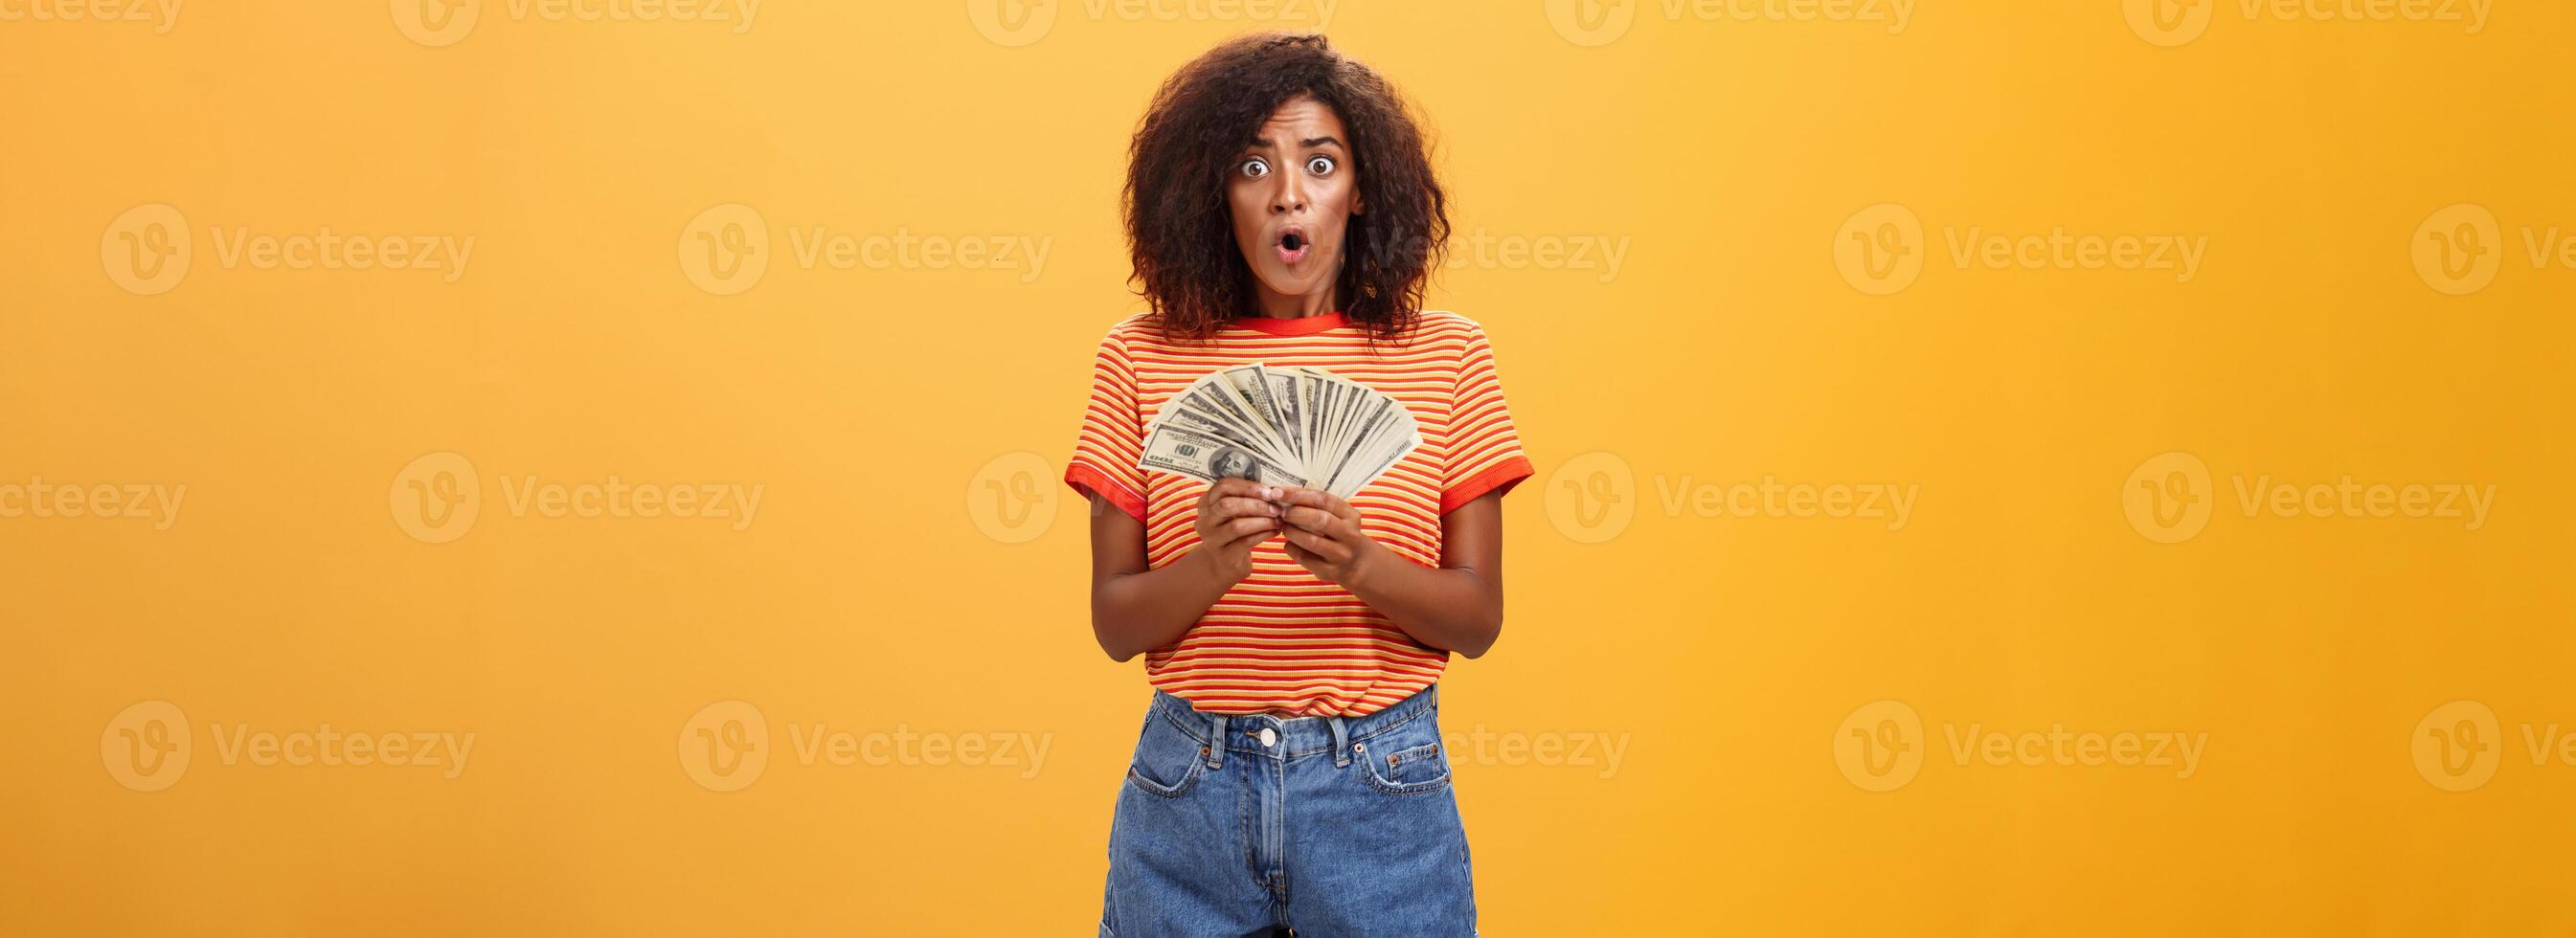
x=1281, y=208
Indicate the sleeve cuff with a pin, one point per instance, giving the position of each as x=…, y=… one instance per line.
x=1090, y=481
x=1496, y=480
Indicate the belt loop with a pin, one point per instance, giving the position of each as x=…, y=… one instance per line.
x=1216, y=741
x=1341, y=743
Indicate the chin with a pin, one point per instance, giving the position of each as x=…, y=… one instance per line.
x=1289, y=285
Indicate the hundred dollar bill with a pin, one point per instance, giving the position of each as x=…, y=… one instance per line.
x=1285, y=425
x=1209, y=457
x=1217, y=396
x=1369, y=468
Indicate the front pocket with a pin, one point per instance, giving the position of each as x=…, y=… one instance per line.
x=1167, y=761
x=1410, y=771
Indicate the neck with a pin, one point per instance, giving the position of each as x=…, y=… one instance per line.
x=1284, y=306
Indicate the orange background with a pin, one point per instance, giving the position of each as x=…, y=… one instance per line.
x=913, y=567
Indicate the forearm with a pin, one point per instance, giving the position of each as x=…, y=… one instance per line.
x=1454, y=608
x=1135, y=612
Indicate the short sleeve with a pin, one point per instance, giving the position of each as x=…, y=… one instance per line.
x=1112, y=441
x=1484, y=449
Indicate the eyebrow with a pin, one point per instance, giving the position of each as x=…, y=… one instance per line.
x=1309, y=142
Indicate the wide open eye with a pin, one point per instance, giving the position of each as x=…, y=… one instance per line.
x=1320, y=165
x=1254, y=168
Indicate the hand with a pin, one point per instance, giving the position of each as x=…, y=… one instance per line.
x=1324, y=536
x=1235, y=515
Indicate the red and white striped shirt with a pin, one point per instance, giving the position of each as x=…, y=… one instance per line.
x=1283, y=640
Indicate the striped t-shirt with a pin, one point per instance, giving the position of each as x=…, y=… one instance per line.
x=1283, y=640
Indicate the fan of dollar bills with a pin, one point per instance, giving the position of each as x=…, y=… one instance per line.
x=1282, y=426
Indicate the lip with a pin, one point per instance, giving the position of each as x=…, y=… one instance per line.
x=1290, y=256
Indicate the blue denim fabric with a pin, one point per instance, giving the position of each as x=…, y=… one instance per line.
x=1246, y=824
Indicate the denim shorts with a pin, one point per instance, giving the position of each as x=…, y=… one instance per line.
x=1248, y=825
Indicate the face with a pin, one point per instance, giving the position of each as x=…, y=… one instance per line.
x=1231, y=464
x=1293, y=192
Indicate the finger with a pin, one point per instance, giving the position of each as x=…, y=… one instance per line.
x=1232, y=487
x=1229, y=531
x=1226, y=488
x=1232, y=507
x=1323, y=548
x=1318, y=498
x=1250, y=541
x=1311, y=519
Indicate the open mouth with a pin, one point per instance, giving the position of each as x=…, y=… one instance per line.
x=1292, y=245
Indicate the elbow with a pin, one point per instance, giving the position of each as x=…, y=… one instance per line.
x=1111, y=643
x=1482, y=638
x=1116, y=653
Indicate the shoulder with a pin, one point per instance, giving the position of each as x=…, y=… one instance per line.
x=1437, y=328
x=1136, y=329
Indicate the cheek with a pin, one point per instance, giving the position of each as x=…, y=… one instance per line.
x=1245, y=208
x=1342, y=201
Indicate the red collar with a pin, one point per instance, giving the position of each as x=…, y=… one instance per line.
x=1303, y=325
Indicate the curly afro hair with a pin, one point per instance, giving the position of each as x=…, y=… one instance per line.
x=1180, y=233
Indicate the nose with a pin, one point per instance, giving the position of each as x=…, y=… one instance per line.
x=1290, y=196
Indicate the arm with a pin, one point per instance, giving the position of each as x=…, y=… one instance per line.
x=1135, y=608
x=1456, y=606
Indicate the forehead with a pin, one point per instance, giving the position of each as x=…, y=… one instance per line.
x=1301, y=118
